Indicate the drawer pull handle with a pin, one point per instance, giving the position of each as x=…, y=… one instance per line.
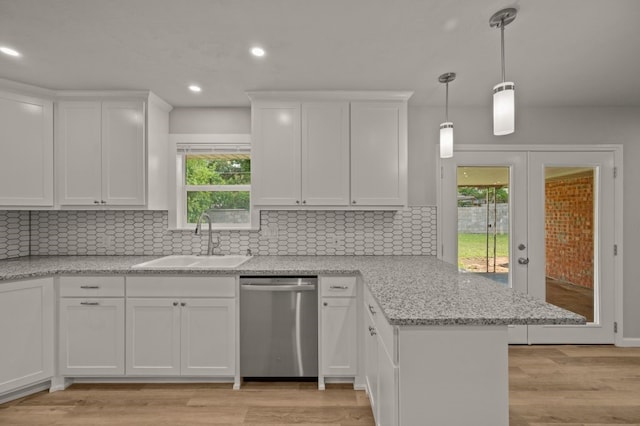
x=90, y=286
x=373, y=311
x=90, y=303
x=339, y=287
x=372, y=331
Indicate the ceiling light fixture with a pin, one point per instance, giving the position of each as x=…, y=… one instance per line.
x=194, y=88
x=257, y=51
x=446, y=128
x=9, y=51
x=503, y=93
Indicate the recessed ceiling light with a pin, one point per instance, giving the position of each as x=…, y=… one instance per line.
x=195, y=88
x=9, y=51
x=257, y=51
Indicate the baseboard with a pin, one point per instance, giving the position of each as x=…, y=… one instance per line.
x=27, y=390
x=153, y=379
x=629, y=342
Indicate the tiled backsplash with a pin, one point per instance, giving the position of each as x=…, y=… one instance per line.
x=407, y=232
x=14, y=234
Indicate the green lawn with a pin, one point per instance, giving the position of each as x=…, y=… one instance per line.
x=475, y=246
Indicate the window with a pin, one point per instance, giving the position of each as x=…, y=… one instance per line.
x=213, y=179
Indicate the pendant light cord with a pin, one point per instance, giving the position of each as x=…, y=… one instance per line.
x=502, y=47
x=446, y=110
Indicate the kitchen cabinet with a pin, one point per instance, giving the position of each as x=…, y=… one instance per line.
x=325, y=153
x=424, y=374
x=91, y=326
x=339, y=343
x=340, y=150
x=101, y=153
x=26, y=151
x=26, y=333
x=181, y=326
x=300, y=153
x=379, y=153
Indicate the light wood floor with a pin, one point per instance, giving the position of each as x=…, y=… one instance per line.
x=549, y=386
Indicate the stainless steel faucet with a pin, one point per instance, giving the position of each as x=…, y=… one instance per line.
x=211, y=246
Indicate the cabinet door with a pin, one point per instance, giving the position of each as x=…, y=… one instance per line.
x=325, y=153
x=78, y=153
x=26, y=333
x=153, y=337
x=339, y=341
x=379, y=153
x=123, y=153
x=91, y=337
x=26, y=151
x=208, y=337
x=275, y=153
x=387, y=388
x=371, y=363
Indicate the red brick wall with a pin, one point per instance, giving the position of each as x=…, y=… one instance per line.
x=569, y=229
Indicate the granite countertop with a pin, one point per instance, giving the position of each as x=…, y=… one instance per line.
x=411, y=290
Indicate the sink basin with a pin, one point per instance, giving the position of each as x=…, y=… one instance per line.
x=196, y=262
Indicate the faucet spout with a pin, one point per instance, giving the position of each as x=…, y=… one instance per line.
x=210, y=244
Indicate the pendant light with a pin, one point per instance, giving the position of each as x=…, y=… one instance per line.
x=446, y=128
x=503, y=93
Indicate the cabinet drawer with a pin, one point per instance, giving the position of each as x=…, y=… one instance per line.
x=383, y=328
x=163, y=286
x=91, y=286
x=338, y=286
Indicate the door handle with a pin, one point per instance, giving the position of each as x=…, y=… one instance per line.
x=523, y=260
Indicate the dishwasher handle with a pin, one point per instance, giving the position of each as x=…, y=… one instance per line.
x=260, y=287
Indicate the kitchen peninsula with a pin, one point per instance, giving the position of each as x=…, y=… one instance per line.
x=432, y=341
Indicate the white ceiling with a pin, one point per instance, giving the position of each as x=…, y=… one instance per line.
x=558, y=52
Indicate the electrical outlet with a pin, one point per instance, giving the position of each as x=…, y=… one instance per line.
x=335, y=241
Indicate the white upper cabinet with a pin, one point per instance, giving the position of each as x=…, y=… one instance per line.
x=379, y=153
x=275, y=153
x=325, y=153
x=101, y=153
x=26, y=151
x=337, y=150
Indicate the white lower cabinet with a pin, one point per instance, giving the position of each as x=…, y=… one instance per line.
x=26, y=333
x=91, y=339
x=153, y=337
x=91, y=326
x=338, y=327
x=179, y=335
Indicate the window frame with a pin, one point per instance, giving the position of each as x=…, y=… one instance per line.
x=178, y=194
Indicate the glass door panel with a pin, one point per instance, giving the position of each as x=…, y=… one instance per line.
x=483, y=221
x=569, y=238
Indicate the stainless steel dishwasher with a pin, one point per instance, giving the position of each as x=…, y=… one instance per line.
x=278, y=327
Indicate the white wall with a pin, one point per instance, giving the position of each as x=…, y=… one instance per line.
x=541, y=126
x=210, y=120
x=473, y=125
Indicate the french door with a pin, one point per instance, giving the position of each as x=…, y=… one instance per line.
x=540, y=222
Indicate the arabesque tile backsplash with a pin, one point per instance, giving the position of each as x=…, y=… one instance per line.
x=57, y=232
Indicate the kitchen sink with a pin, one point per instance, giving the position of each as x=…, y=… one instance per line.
x=196, y=262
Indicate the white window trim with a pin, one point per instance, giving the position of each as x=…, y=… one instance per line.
x=176, y=178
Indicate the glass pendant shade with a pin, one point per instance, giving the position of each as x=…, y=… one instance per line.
x=503, y=108
x=446, y=140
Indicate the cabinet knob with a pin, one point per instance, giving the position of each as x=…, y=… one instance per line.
x=183, y=304
x=304, y=201
x=175, y=303
x=297, y=201
x=103, y=202
x=96, y=202
x=325, y=304
x=373, y=311
x=353, y=202
x=372, y=331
